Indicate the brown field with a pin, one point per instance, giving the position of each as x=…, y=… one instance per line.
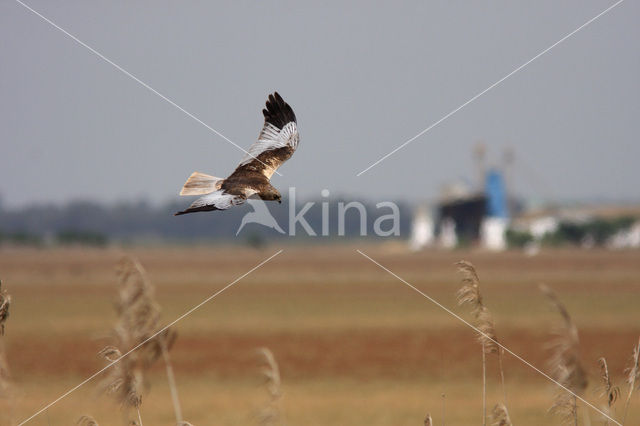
x=355, y=345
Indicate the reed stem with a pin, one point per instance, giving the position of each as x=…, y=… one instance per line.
x=172, y=381
x=139, y=416
x=484, y=387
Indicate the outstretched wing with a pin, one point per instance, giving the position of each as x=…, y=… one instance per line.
x=277, y=141
x=218, y=200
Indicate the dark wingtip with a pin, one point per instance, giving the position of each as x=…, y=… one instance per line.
x=277, y=111
x=179, y=213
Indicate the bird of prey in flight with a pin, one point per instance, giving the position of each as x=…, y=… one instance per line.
x=276, y=143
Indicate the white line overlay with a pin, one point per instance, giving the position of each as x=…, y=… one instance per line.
x=491, y=87
x=527, y=363
x=128, y=74
x=97, y=373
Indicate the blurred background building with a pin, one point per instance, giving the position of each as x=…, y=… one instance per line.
x=486, y=214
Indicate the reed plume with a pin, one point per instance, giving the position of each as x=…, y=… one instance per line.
x=125, y=378
x=500, y=416
x=5, y=302
x=608, y=390
x=469, y=294
x=564, y=363
x=87, y=421
x=633, y=377
x=270, y=414
x=5, y=376
x=428, y=421
x=136, y=334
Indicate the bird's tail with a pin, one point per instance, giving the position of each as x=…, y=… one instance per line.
x=201, y=183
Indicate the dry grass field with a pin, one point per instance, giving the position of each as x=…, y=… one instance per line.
x=355, y=345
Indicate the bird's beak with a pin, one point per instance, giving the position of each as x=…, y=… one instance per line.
x=279, y=201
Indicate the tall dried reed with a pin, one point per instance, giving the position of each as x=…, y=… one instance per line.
x=500, y=416
x=5, y=302
x=270, y=413
x=608, y=390
x=444, y=411
x=564, y=362
x=428, y=421
x=633, y=377
x=5, y=376
x=138, y=321
x=87, y=421
x=469, y=294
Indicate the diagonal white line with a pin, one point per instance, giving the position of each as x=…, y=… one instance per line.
x=515, y=355
x=128, y=74
x=491, y=87
x=111, y=364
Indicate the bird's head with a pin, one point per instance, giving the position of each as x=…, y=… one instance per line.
x=271, y=194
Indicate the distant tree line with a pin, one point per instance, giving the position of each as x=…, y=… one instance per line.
x=67, y=237
x=96, y=224
x=595, y=232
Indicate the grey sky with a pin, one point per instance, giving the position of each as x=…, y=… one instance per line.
x=361, y=78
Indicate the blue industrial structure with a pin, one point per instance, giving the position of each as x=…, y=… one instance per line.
x=496, y=195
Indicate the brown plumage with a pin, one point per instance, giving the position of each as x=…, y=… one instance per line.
x=276, y=143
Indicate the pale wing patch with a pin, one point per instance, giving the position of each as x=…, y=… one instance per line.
x=201, y=183
x=219, y=200
x=273, y=138
x=248, y=192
